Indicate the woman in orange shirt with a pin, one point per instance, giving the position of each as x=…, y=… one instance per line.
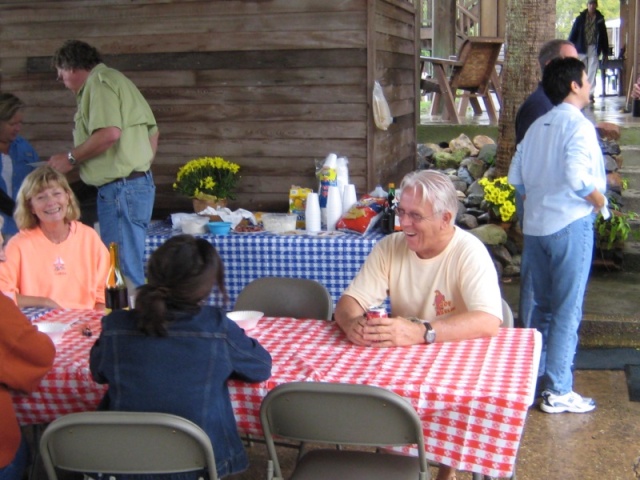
x=54, y=261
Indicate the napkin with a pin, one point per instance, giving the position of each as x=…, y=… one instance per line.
x=235, y=217
x=604, y=211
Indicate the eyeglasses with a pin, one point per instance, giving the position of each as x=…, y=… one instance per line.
x=414, y=217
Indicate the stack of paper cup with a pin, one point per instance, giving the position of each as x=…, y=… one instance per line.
x=312, y=213
x=348, y=197
x=334, y=208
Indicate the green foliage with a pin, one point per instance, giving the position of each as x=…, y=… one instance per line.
x=625, y=183
x=615, y=230
x=568, y=10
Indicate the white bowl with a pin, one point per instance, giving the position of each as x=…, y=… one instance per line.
x=246, y=319
x=55, y=330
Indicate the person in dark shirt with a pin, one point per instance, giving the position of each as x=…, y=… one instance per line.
x=537, y=104
x=589, y=35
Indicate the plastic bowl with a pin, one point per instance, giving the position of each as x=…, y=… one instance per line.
x=246, y=319
x=55, y=330
x=279, y=222
x=220, y=228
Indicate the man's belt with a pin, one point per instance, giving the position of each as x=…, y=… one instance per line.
x=131, y=176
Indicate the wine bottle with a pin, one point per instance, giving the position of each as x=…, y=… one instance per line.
x=389, y=217
x=115, y=292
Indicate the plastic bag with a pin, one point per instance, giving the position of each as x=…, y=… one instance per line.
x=362, y=216
x=381, y=113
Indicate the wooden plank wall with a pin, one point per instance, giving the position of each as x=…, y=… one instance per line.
x=274, y=85
x=397, y=33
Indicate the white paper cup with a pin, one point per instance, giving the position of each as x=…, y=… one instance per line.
x=312, y=217
x=334, y=208
x=348, y=197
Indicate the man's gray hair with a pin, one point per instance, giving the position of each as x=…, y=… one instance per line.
x=551, y=50
x=436, y=188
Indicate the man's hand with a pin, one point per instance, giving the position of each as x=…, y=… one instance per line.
x=375, y=332
x=60, y=162
x=391, y=332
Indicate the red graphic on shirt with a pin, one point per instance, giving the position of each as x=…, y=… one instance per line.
x=442, y=305
x=59, y=267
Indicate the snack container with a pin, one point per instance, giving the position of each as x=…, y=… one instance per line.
x=298, y=203
x=279, y=222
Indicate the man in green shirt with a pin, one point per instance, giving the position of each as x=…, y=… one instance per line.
x=115, y=140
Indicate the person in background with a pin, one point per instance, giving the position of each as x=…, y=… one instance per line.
x=559, y=170
x=16, y=155
x=536, y=105
x=440, y=279
x=172, y=354
x=115, y=141
x=589, y=35
x=26, y=355
x=54, y=261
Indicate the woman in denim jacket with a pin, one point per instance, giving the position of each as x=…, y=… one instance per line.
x=173, y=355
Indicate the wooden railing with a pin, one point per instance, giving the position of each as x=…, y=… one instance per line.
x=467, y=20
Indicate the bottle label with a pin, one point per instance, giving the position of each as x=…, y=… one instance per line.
x=116, y=298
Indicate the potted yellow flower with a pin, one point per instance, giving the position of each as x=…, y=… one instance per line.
x=500, y=197
x=211, y=180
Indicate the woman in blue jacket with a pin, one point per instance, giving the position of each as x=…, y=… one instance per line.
x=174, y=355
x=16, y=155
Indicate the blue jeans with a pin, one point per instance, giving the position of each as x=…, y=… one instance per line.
x=559, y=266
x=16, y=468
x=124, y=212
x=525, y=305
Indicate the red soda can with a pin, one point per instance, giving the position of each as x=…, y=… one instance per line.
x=376, y=312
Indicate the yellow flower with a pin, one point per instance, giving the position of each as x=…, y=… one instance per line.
x=212, y=176
x=499, y=196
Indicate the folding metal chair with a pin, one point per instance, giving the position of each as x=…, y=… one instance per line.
x=286, y=297
x=126, y=443
x=344, y=414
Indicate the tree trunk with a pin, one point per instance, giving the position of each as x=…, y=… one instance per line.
x=530, y=23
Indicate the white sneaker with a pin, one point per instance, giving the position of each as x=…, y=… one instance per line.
x=569, y=402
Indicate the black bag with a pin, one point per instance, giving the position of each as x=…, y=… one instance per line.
x=7, y=205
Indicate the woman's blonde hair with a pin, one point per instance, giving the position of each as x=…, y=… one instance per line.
x=34, y=183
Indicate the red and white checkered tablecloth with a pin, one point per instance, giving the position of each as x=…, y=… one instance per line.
x=472, y=396
x=68, y=387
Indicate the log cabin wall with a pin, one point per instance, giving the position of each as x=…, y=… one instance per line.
x=274, y=85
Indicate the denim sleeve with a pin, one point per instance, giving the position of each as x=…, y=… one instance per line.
x=96, y=358
x=249, y=360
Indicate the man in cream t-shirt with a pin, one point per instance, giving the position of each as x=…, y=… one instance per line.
x=440, y=280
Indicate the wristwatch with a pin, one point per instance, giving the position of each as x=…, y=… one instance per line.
x=72, y=159
x=429, y=333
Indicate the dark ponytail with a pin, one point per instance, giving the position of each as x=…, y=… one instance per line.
x=181, y=274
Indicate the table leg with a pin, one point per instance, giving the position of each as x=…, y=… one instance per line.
x=447, y=94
